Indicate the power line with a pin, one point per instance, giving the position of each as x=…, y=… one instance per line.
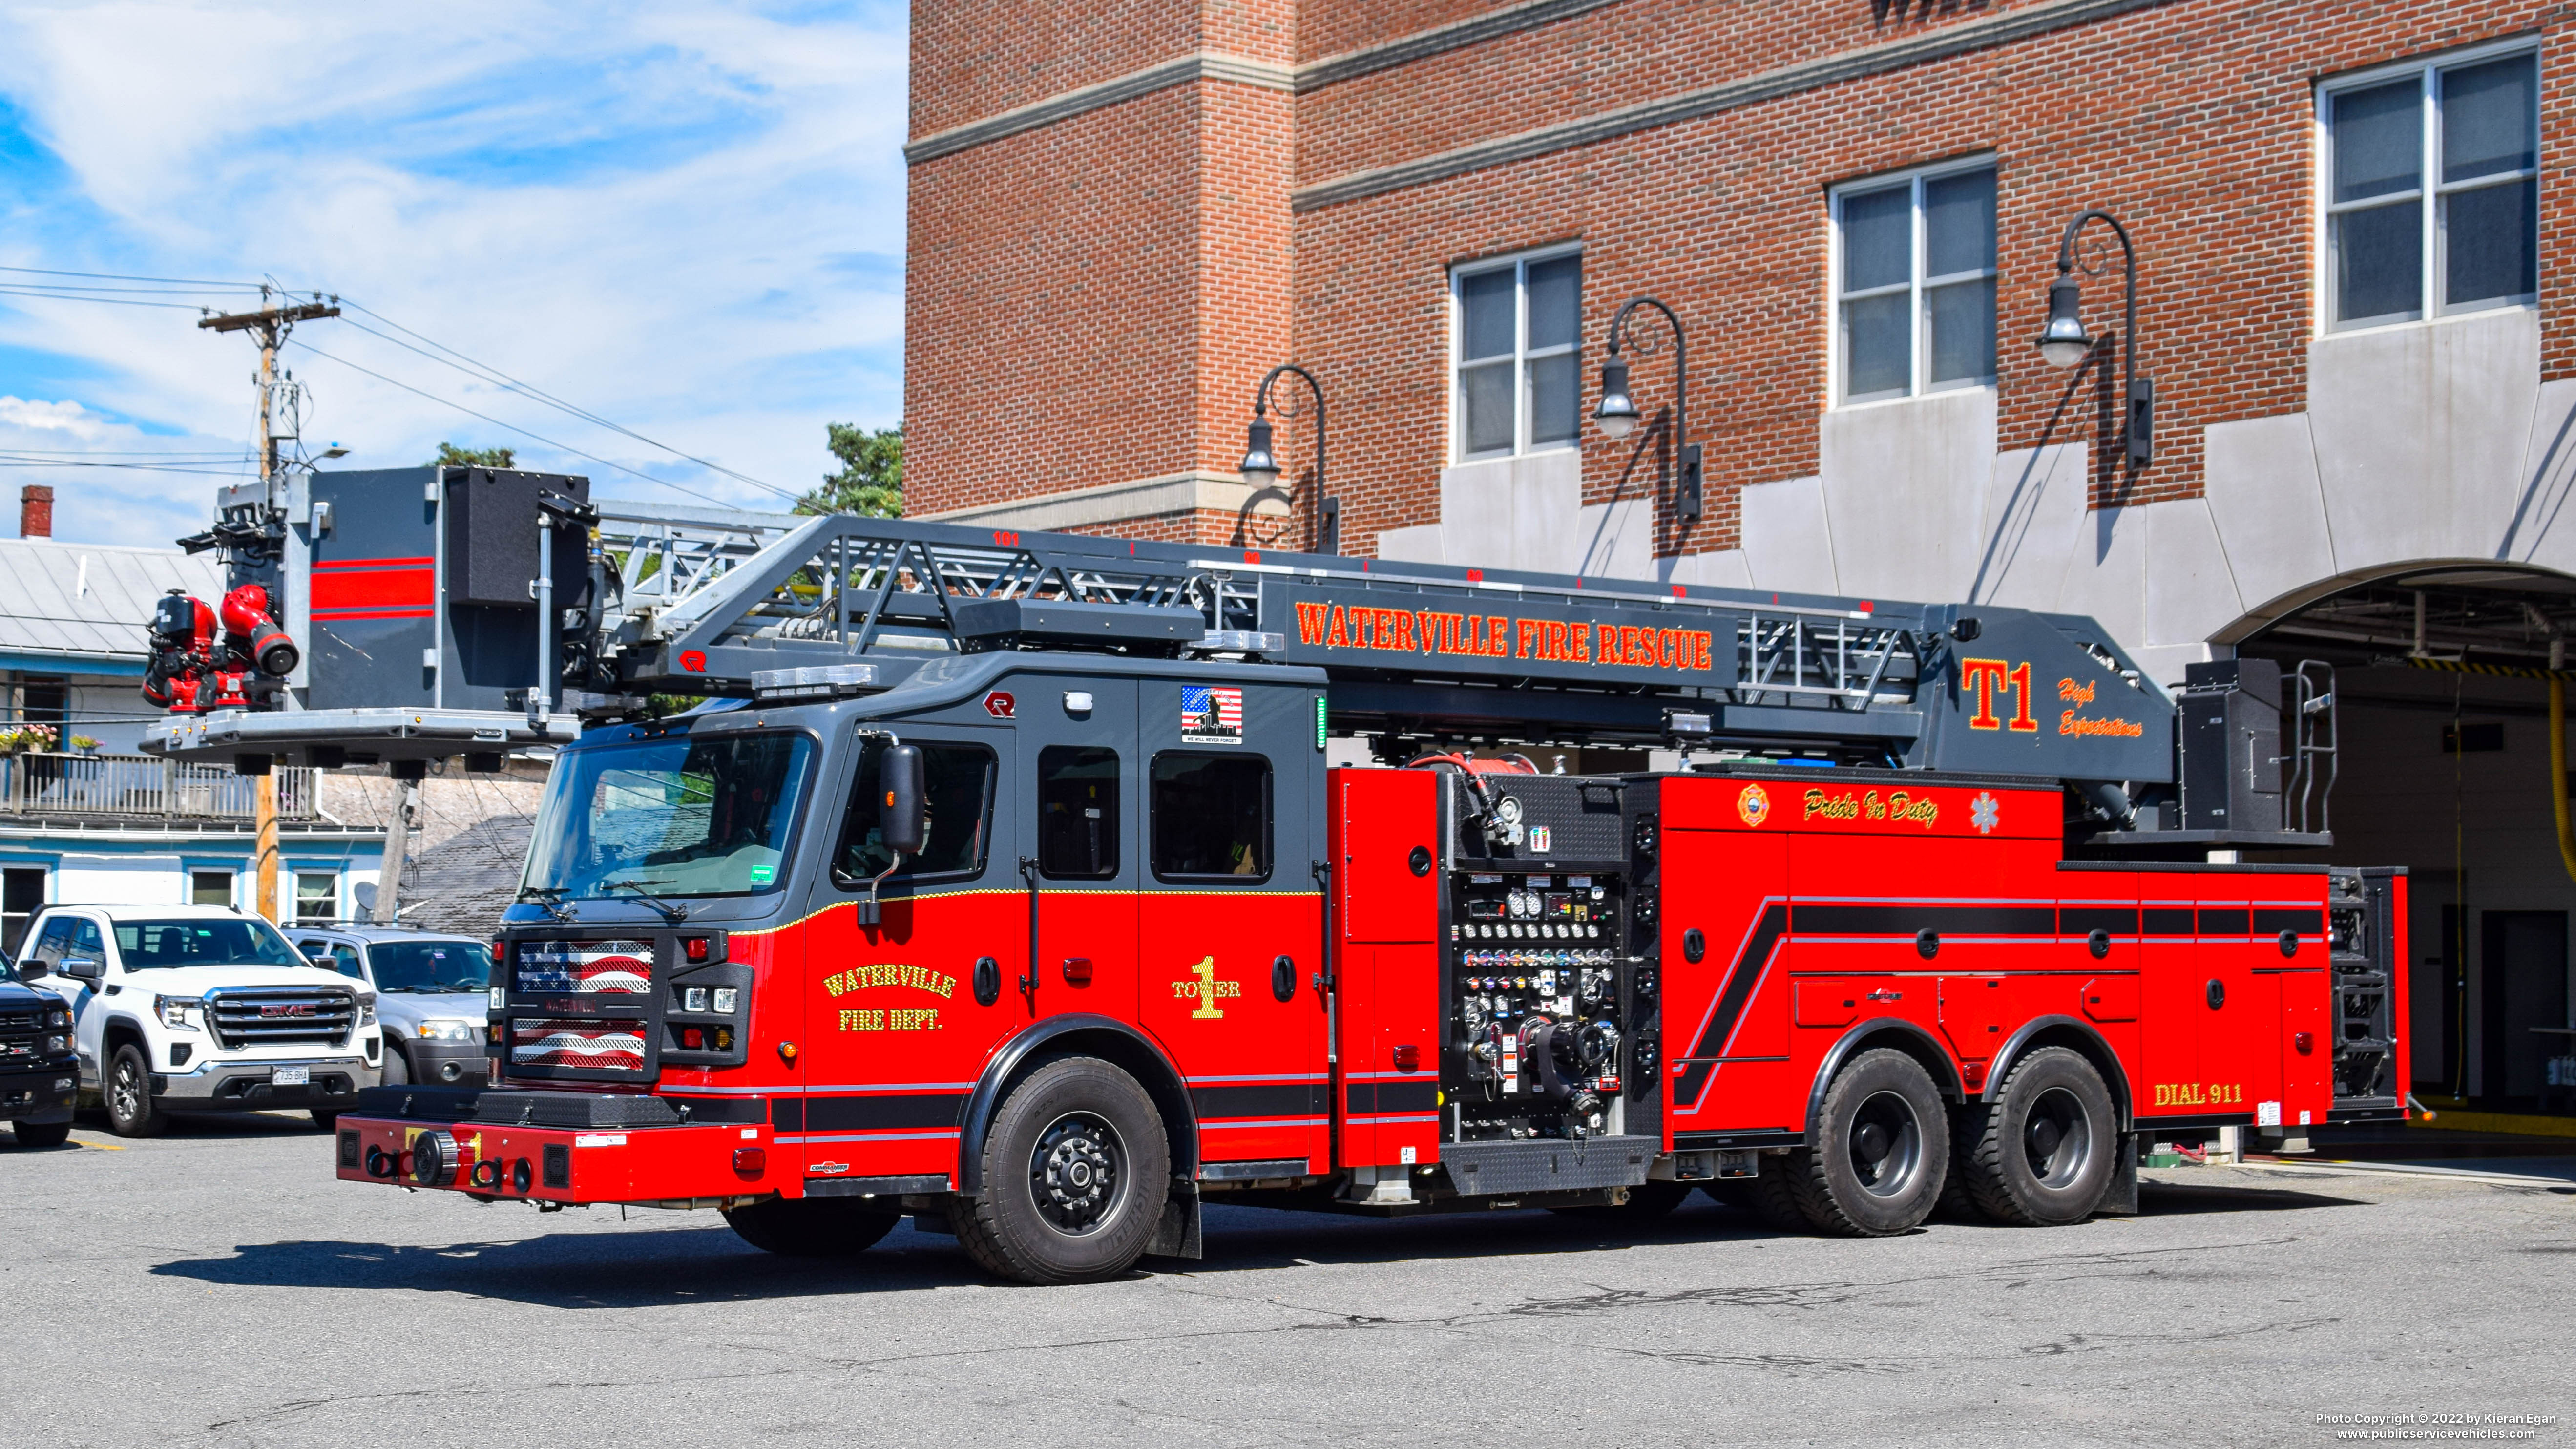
x=487, y=373
x=121, y=277
x=7, y=289
x=513, y=427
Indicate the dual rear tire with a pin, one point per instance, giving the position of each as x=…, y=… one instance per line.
x=1886, y=1150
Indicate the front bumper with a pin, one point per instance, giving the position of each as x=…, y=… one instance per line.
x=445, y=1063
x=40, y=1094
x=248, y=1086
x=498, y=1152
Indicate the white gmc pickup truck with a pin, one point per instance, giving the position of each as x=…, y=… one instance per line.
x=201, y=1009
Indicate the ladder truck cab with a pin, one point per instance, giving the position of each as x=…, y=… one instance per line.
x=1011, y=882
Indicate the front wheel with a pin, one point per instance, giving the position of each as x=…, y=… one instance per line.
x=325, y=1120
x=1880, y=1151
x=396, y=1071
x=44, y=1134
x=811, y=1227
x=130, y=1112
x=1076, y=1172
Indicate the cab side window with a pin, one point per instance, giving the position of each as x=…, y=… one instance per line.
x=87, y=944
x=53, y=942
x=1077, y=812
x=1211, y=817
x=958, y=790
x=345, y=956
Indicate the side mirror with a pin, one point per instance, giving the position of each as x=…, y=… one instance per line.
x=903, y=817
x=81, y=968
x=32, y=969
x=323, y=959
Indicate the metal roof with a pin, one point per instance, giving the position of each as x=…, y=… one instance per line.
x=85, y=608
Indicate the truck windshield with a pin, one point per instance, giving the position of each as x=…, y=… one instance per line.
x=673, y=817
x=431, y=967
x=164, y=945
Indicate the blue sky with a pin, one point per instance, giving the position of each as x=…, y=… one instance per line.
x=687, y=218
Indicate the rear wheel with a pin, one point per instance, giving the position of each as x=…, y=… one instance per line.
x=130, y=1112
x=43, y=1134
x=811, y=1227
x=1880, y=1151
x=325, y=1120
x=2042, y=1153
x=1076, y=1171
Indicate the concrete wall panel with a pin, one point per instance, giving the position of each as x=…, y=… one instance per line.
x=2034, y=506
x=1617, y=540
x=1787, y=543
x=2190, y=594
x=2420, y=434
x=2268, y=507
x=1904, y=484
x=2542, y=527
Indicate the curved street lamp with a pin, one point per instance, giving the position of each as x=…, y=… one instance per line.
x=1260, y=466
x=2065, y=342
x=1618, y=414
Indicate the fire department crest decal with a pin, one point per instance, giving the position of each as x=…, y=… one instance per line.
x=1211, y=715
x=1754, y=805
x=1985, y=812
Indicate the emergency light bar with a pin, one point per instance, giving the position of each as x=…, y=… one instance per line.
x=813, y=681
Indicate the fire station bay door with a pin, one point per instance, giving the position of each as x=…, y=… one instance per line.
x=1173, y=835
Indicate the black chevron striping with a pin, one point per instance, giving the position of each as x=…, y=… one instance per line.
x=1693, y=1077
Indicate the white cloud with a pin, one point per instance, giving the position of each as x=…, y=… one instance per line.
x=649, y=210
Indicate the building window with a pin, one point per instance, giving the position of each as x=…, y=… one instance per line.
x=22, y=894
x=317, y=897
x=1914, y=282
x=210, y=888
x=1519, y=353
x=2433, y=201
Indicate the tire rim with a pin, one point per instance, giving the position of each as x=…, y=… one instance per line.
x=1886, y=1145
x=126, y=1092
x=1078, y=1174
x=2057, y=1138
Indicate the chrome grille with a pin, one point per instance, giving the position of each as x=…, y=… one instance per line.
x=257, y=1015
x=18, y=1036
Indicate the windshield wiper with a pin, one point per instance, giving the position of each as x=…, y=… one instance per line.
x=548, y=898
x=671, y=914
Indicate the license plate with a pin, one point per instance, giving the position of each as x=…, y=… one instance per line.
x=290, y=1077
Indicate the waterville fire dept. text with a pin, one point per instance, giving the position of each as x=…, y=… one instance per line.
x=1499, y=636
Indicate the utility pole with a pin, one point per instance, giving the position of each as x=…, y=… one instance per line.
x=269, y=325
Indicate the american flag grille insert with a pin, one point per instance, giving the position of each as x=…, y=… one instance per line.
x=259, y=1015
x=589, y=1045
x=583, y=967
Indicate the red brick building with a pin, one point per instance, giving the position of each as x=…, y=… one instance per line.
x=2354, y=270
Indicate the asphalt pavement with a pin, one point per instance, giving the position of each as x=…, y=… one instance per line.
x=218, y=1287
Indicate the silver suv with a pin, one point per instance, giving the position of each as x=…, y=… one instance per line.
x=432, y=991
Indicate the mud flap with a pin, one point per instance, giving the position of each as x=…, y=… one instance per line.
x=2120, y=1196
x=1177, y=1236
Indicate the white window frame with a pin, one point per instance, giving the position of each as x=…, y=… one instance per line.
x=1519, y=264
x=2430, y=305
x=1915, y=285
x=295, y=906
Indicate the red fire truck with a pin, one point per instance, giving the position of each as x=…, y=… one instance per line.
x=1007, y=881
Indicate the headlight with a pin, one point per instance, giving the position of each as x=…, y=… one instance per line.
x=56, y=1046
x=366, y=1011
x=446, y=1029
x=58, y=1018
x=181, y=1013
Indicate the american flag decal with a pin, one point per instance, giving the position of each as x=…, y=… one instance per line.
x=616, y=1046
x=1211, y=714
x=586, y=967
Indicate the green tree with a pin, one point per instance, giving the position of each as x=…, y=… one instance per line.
x=452, y=456
x=870, y=482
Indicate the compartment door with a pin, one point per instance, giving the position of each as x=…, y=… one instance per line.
x=1386, y=964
